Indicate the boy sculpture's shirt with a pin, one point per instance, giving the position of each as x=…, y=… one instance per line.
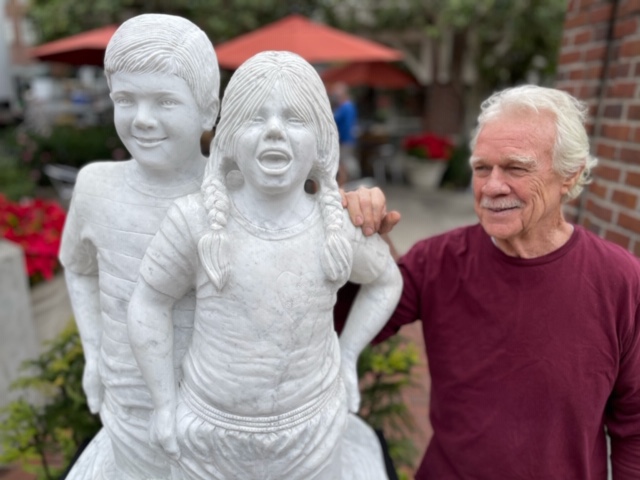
x=111, y=221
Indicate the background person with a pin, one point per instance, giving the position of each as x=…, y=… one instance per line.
x=346, y=117
x=531, y=324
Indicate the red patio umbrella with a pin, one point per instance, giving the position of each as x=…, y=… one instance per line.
x=314, y=42
x=370, y=74
x=85, y=48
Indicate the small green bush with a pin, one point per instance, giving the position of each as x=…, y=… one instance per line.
x=68, y=145
x=34, y=432
x=385, y=371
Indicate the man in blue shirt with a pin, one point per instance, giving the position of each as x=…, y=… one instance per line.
x=346, y=117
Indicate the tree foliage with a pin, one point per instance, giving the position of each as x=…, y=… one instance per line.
x=220, y=19
x=512, y=39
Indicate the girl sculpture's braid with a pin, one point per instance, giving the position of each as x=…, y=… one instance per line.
x=247, y=90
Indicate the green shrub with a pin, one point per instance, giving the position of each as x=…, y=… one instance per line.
x=385, y=371
x=68, y=145
x=33, y=432
x=458, y=172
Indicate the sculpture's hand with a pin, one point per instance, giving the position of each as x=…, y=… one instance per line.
x=368, y=209
x=162, y=431
x=349, y=374
x=92, y=385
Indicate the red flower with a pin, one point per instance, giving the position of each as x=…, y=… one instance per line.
x=35, y=225
x=429, y=146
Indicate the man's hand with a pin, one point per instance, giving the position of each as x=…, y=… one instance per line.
x=92, y=385
x=368, y=209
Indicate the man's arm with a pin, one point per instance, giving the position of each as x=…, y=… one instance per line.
x=623, y=411
x=150, y=328
x=84, y=293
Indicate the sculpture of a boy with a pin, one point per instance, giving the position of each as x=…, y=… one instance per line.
x=164, y=81
x=267, y=386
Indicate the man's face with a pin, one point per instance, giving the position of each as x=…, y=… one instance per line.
x=277, y=148
x=517, y=195
x=157, y=119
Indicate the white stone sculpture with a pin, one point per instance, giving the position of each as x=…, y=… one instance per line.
x=267, y=387
x=163, y=77
x=164, y=82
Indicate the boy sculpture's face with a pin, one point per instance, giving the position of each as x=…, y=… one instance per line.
x=158, y=120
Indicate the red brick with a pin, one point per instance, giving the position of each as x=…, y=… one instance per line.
x=634, y=112
x=587, y=91
x=598, y=211
x=620, y=70
x=576, y=74
x=601, y=31
x=606, y=150
x=623, y=89
x=613, y=111
x=598, y=190
x=601, y=14
x=582, y=37
x=618, y=238
x=596, y=53
x=577, y=20
x=636, y=135
x=625, y=27
x=616, y=132
x=638, y=69
x=594, y=71
x=628, y=7
x=607, y=173
x=570, y=57
x=625, y=199
x=630, y=48
x=633, y=179
x=636, y=249
x=629, y=222
x=630, y=155
x=592, y=227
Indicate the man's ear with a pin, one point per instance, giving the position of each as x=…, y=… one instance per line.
x=570, y=181
x=209, y=117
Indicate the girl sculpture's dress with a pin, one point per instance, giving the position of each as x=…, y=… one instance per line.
x=267, y=386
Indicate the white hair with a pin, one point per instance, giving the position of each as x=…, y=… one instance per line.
x=571, y=148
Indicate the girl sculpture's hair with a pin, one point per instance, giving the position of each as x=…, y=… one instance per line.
x=158, y=43
x=247, y=90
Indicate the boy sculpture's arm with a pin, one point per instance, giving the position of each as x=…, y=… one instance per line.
x=372, y=307
x=84, y=293
x=150, y=327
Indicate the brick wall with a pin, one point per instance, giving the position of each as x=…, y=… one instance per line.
x=600, y=64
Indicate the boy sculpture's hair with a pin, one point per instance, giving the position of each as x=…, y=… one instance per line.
x=303, y=89
x=158, y=43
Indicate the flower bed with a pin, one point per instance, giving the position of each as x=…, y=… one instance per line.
x=428, y=146
x=36, y=225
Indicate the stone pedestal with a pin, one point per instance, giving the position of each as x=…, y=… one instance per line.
x=50, y=308
x=18, y=339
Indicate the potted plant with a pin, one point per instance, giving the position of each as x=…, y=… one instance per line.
x=426, y=158
x=36, y=226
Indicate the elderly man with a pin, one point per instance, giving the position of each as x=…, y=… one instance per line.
x=531, y=324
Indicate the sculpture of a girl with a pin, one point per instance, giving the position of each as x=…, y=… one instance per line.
x=267, y=386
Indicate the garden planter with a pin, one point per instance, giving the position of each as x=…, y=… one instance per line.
x=424, y=174
x=50, y=308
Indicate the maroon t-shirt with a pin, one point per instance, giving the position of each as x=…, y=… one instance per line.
x=529, y=358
